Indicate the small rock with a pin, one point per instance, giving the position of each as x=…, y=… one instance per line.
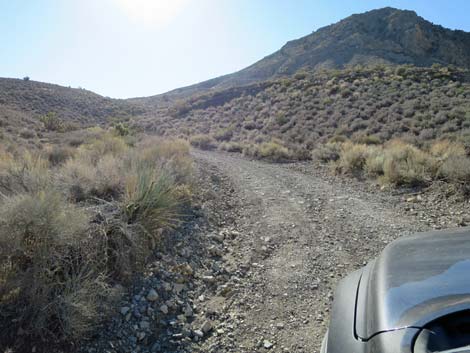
x=198, y=333
x=144, y=325
x=164, y=309
x=152, y=295
x=215, y=251
x=206, y=326
x=178, y=287
x=267, y=344
x=208, y=279
x=188, y=311
x=125, y=310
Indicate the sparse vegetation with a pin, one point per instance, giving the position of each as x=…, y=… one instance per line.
x=399, y=163
x=273, y=151
x=417, y=105
x=204, y=142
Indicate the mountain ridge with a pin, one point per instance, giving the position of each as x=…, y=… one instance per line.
x=382, y=36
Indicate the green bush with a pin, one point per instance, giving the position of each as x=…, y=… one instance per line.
x=52, y=122
x=151, y=200
x=121, y=129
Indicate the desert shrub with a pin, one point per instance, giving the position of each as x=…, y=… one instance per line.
x=405, y=164
x=81, y=178
x=59, y=154
x=352, y=158
x=150, y=200
x=281, y=119
x=327, y=152
x=300, y=153
x=445, y=149
x=231, y=147
x=375, y=161
x=338, y=139
x=223, y=135
x=26, y=172
x=367, y=140
x=51, y=286
x=169, y=154
x=249, y=125
x=52, y=122
x=121, y=129
x=72, y=226
x=204, y=142
x=27, y=133
x=105, y=144
x=272, y=151
x=456, y=169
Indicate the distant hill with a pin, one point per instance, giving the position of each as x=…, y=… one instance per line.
x=383, y=36
x=369, y=74
x=71, y=104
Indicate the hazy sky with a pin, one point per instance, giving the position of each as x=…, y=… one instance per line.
x=129, y=48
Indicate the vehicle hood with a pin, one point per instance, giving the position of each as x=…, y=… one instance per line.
x=415, y=280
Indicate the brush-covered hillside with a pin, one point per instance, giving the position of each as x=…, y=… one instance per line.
x=24, y=105
x=310, y=108
x=74, y=104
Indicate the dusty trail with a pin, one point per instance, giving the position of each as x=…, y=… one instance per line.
x=299, y=235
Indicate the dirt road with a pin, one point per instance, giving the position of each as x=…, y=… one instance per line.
x=299, y=234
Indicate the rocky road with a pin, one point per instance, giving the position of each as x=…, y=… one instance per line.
x=254, y=269
x=299, y=235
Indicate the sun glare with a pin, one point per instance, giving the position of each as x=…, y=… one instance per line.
x=156, y=13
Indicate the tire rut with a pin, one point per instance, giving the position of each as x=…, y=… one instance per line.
x=299, y=235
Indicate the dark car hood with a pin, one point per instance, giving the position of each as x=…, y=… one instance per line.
x=415, y=280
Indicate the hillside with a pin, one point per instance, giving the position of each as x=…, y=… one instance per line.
x=383, y=36
x=310, y=108
x=23, y=102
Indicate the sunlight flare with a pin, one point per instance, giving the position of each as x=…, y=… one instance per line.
x=156, y=13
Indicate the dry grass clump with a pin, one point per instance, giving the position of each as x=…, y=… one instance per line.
x=273, y=151
x=445, y=149
x=83, y=178
x=375, y=162
x=151, y=200
x=352, y=158
x=204, y=142
x=24, y=172
x=70, y=226
x=328, y=152
x=169, y=154
x=236, y=147
x=51, y=284
x=57, y=155
x=405, y=164
x=400, y=163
